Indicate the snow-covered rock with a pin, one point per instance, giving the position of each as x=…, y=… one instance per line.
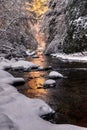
x=7, y=78
x=77, y=57
x=4, y=74
x=49, y=83
x=30, y=53
x=4, y=64
x=12, y=80
x=20, y=64
x=23, y=64
x=55, y=74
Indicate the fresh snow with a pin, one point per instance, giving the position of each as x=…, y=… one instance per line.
x=30, y=53
x=4, y=64
x=76, y=57
x=55, y=74
x=24, y=64
x=7, y=78
x=49, y=83
x=18, y=112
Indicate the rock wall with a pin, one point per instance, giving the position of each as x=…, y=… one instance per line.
x=65, y=26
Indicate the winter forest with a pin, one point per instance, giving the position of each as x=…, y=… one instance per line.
x=43, y=64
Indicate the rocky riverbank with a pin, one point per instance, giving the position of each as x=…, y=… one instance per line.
x=19, y=112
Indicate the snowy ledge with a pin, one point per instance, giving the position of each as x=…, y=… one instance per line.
x=17, y=112
x=76, y=57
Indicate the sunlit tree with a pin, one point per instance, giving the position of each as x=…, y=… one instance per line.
x=39, y=7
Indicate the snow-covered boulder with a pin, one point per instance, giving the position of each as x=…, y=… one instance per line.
x=4, y=63
x=16, y=64
x=50, y=83
x=7, y=78
x=4, y=74
x=24, y=65
x=55, y=74
x=14, y=81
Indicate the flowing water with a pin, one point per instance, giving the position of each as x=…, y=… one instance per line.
x=69, y=97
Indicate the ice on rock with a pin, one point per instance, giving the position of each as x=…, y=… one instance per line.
x=55, y=74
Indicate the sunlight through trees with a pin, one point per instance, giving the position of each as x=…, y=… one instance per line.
x=39, y=7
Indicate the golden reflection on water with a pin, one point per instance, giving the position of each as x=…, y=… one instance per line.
x=37, y=78
x=36, y=84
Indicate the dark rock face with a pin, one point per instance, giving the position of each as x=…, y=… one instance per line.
x=66, y=26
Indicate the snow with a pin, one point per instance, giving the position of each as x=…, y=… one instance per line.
x=77, y=57
x=4, y=64
x=82, y=21
x=24, y=64
x=18, y=112
x=30, y=53
x=20, y=64
x=7, y=78
x=55, y=74
x=49, y=83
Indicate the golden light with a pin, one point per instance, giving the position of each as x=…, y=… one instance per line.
x=38, y=6
x=35, y=83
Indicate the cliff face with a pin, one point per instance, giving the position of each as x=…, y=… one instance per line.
x=65, y=25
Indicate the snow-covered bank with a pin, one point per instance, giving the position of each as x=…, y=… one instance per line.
x=17, y=112
x=20, y=64
x=76, y=57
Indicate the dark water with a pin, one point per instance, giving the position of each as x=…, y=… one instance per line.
x=68, y=98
